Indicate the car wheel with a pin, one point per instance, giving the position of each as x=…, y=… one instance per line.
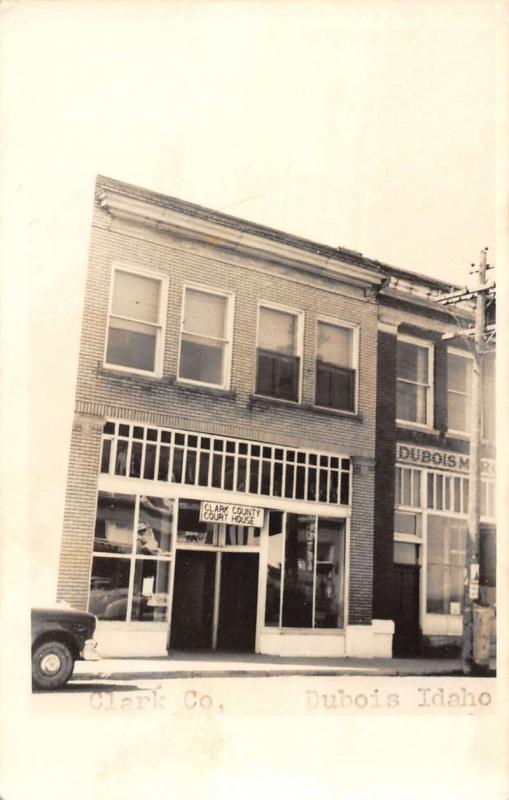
x=52, y=665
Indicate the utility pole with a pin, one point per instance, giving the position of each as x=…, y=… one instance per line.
x=478, y=336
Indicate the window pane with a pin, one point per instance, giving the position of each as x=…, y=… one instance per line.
x=109, y=586
x=406, y=523
x=411, y=402
x=335, y=345
x=299, y=571
x=114, y=523
x=154, y=526
x=412, y=362
x=335, y=387
x=205, y=314
x=458, y=411
x=277, y=376
x=136, y=297
x=131, y=345
x=274, y=568
x=330, y=574
x=405, y=553
x=277, y=331
x=201, y=360
x=459, y=373
x=190, y=530
x=105, y=455
x=150, y=591
x=446, y=560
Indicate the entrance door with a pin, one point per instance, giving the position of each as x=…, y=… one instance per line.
x=237, y=602
x=193, y=600
x=407, y=634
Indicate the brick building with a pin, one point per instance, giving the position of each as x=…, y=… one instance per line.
x=425, y=365
x=222, y=490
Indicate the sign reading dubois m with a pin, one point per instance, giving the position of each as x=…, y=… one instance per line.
x=439, y=459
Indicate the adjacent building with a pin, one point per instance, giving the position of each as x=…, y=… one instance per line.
x=425, y=364
x=253, y=462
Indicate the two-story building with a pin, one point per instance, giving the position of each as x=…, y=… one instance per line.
x=425, y=363
x=221, y=477
x=269, y=450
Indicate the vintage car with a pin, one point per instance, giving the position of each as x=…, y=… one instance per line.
x=60, y=636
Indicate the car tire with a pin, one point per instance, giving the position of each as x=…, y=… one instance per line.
x=52, y=665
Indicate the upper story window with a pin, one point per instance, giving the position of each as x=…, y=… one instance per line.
x=205, y=339
x=459, y=388
x=414, y=400
x=135, y=323
x=336, y=362
x=278, y=353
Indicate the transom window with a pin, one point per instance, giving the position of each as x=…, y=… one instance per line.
x=161, y=454
x=131, y=559
x=408, y=487
x=414, y=382
x=135, y=323
x=278, y=354
x=335, y=367
x=447, y=493
x=305, y=571
x=205, y=338
x=459, y=388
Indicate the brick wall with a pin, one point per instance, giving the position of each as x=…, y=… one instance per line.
x=101, y=392
x=79, y=514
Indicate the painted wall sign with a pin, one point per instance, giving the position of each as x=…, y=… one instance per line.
x=231, y=514
x=439, y=459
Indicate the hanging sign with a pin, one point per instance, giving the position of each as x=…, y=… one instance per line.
x=231, y=514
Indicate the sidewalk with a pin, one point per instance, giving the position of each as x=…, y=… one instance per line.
x=229, y=665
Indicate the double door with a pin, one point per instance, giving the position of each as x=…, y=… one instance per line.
x=214, y=600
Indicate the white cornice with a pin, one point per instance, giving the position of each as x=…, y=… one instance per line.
x=218, y=235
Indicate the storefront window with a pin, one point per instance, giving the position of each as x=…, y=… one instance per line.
x=313, y=575
x=446, y=565
x=150, y=593
x=109, y=588
x=274, y=568
x=114, y=523
x=329, y=587
x=121, y=558
x=299, y=571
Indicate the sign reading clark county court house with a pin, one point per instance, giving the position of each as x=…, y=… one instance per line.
x=231, y=514
x=439, y=459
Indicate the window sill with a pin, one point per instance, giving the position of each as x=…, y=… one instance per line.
x=416, y=426
x=132, y=377
x=211, y=391
x=261, y=401
x=335, y=412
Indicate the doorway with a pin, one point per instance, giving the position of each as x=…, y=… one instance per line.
x=214, y=601
x=236, y=628
x=407, y=632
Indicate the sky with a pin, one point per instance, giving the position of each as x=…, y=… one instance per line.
x=369, y=125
